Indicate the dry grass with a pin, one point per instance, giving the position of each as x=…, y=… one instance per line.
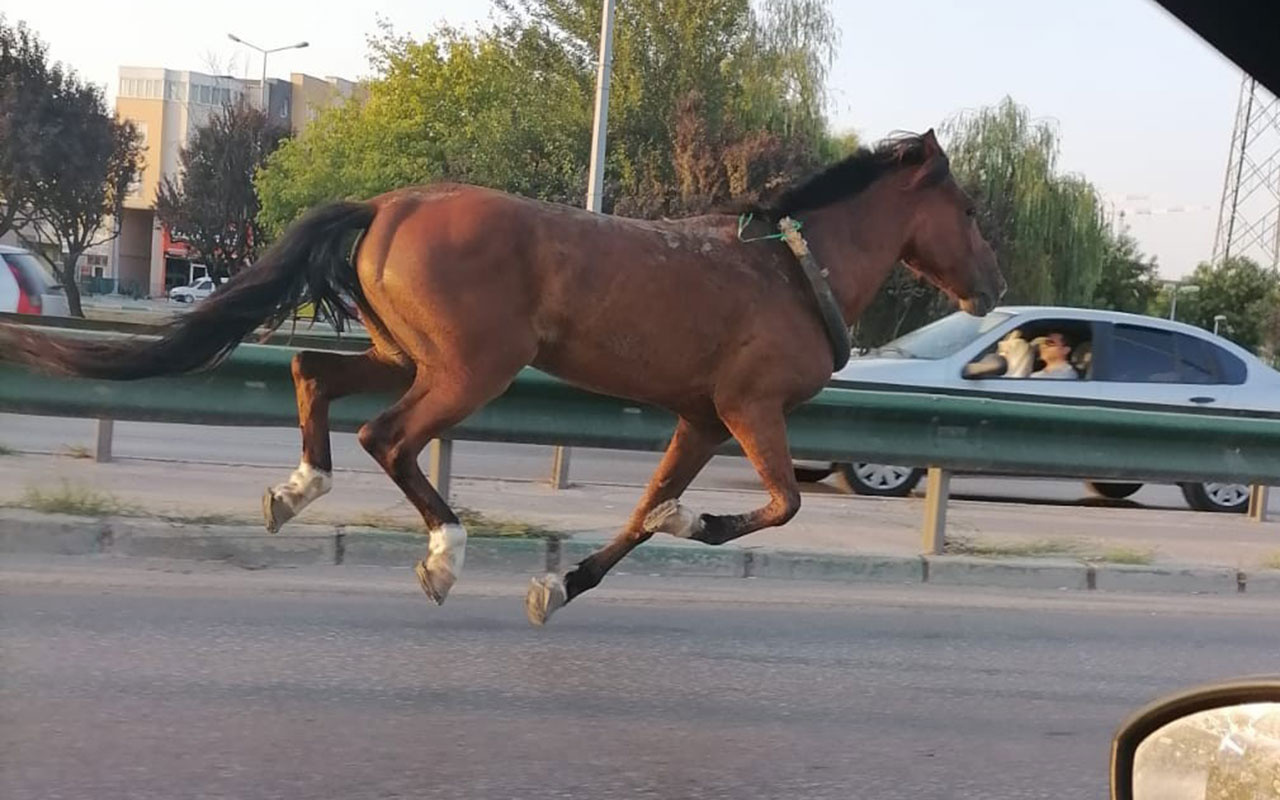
x=1272, y=561
x=80, y=501
x=1126, y=555
x=1035, y=548
x=1048, y=548
x=476, y=523
x=77, y=451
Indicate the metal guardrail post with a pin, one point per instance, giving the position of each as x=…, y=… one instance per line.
x=440, y=465
x=937, y=493
x=560, y=468
x=1258, y=497
x=106, y=429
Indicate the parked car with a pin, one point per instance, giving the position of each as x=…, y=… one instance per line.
x=198, y=289
x=29, y=285
x=1121, y=359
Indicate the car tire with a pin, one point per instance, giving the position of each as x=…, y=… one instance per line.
x=1113, y=490
x=879, y=480
x=807, y=474
x=1231, y=498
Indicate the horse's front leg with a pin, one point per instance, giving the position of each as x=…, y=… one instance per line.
x=761, y=429
x=690, y=449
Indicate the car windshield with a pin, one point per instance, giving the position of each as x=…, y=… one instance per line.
x=942, y=338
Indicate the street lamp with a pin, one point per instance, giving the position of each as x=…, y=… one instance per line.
x=1189, y=288
x=1218, y=319
x=266, y=109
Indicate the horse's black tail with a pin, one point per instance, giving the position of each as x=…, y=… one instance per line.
x=310, y=262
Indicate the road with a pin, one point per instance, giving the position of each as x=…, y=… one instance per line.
x=280, y=447
x=205, y=681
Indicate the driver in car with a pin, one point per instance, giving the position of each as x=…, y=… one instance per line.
x=1055, y=352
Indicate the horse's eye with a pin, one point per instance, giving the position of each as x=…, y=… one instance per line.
x=970, y=211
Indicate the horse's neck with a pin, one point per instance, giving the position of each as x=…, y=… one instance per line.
x=857, y=241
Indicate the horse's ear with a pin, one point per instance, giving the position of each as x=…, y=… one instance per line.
x=931, y=147
x=932, y=160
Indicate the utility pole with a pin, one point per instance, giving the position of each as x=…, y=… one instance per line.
x=595, y=179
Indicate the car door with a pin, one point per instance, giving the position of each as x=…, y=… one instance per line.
x=1147, y=365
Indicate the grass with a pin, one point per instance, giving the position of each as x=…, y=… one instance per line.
x=77, y=451
x=477, y=524
x=1045, y=548
x=74, y=499
x=1272, y=561
x=1126, y=555
x=1035, y=548
x=203, y=519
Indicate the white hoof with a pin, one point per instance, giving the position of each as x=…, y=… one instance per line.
x=439, y=571
x=673, y=518
x=546, y=595
x=285, y=501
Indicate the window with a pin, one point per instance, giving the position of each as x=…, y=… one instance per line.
x=204, y=95
x=1148, y=355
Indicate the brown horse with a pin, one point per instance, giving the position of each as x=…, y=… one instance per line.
x=460, y=287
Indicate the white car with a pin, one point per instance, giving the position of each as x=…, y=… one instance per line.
x=1119, y=359
x=199, y=289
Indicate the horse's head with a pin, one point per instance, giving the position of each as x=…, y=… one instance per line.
x=943, y=244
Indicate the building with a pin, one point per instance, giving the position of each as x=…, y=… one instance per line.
x=168, y=106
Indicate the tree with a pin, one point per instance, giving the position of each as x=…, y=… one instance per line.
x=1247, y=293
x=91, y=160
x=753, y=77
x=1128, y=281
x=497, y=109
x=28, y=86
x=707, y=99
x=212, y=204
x=1045, y=227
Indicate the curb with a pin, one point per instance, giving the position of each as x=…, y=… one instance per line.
x=30, y=532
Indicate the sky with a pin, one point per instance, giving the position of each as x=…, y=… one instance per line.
x=1144, y=108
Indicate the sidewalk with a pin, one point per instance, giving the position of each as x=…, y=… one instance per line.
x=828, y=523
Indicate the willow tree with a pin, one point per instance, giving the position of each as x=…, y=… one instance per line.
x=1046, y=227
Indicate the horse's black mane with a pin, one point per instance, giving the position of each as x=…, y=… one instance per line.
x=844, y=179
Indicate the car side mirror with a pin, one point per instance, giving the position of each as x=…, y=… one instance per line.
x=1221, y=740
x=992, y=365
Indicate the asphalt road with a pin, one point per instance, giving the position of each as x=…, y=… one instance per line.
x=120, y=682
x=280, y=447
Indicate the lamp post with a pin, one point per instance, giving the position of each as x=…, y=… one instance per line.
x=1189, y=288
x=266, y=109
x=595, y=179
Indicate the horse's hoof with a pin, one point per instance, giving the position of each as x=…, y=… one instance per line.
x=436, y=583
x=275, y=511
x=673, y=518
x=546, y=595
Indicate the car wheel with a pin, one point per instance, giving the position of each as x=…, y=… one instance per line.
x=1229, y=497
x=879, y=480
x=810, y=474
x=1112, y=490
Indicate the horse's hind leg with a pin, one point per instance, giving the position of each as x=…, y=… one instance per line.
x=396, y=437
x=690, y=449
x=319, y=378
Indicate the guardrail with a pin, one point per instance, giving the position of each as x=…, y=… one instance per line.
x=950, y=433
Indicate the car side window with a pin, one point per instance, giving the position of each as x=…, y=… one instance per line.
x=1196, y=362
x=1148, y=355
x=1142, y=355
